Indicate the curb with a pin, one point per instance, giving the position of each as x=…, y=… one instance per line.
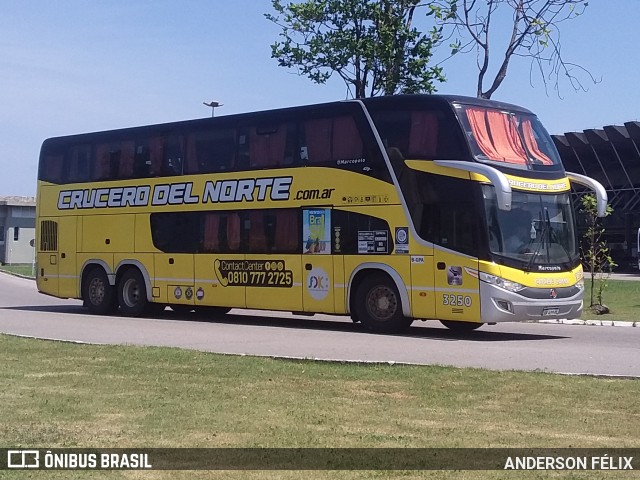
x=598, y=323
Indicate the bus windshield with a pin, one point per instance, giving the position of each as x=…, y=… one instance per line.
x=514, y=138
x=536, y=234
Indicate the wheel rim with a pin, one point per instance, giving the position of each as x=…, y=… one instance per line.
x=96, y=291
x=131, y=293
x=381, y=303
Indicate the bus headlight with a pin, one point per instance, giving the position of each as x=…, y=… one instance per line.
x=580, y=284
x=501, y=282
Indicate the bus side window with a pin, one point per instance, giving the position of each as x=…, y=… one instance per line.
x=283, y=231
x=51, y=168
x=211, y=151
x=317, y=134
x=148, y=157
x=346, y=141
x=211, y=233
x=448, y=215
x=103, y=162
x=242, y=142
x=80, y=164
x=233, y=232
x=172, y=155
x=124, y=166
x=423, y=138
x=257, y=233
x=267, y=146
x=141, y=160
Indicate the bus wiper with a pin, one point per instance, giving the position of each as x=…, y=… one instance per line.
x=543, y=235
x=555, y=239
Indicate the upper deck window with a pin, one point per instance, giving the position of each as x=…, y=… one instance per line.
x=515, y=138
x=420, y=134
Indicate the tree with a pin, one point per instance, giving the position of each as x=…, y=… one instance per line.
x=373, y=45
x=534, y=34
x=595, y=253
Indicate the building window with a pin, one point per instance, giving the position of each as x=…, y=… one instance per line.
x=16, y=234
x=1, y=233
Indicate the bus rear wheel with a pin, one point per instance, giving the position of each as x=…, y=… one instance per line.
x=378, y=305
x=132, y=293
x=98, y=295
x=461, y=326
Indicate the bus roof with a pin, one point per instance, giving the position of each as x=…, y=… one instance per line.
x=379, y=102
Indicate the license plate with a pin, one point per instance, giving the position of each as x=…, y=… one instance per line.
x=551, y=311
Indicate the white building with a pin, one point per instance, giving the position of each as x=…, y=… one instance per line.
x=17, y=229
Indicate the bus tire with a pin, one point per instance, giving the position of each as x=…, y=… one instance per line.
x=132, y=293
x=98, y=295
x=461, y=326
x=378, y=305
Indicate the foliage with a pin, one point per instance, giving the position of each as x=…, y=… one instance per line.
x=534, y=34
x=373, y=45
x=595, y=253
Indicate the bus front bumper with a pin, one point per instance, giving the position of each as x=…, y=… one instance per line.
x=499, y=305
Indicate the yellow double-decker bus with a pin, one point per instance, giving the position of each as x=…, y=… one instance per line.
x=386, y=209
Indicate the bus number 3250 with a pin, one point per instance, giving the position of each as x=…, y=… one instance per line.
x=456, y=300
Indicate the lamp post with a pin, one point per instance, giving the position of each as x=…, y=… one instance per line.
x=213, y=106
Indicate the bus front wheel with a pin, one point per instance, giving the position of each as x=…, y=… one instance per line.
x=378, y=305
x=132, y=293
x=98, y=295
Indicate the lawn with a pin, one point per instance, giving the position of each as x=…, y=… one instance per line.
x=67, y=395
x=22, y=269
x=621, y=296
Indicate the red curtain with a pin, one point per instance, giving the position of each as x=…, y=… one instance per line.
x=211, y=226
x=532, y=145
x=497, y=135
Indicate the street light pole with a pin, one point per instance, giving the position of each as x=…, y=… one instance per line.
x=213, y=106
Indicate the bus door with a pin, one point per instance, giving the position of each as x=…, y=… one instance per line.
x=456, y=284
x=317, y=261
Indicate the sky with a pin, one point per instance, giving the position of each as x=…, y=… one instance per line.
x=74, y=66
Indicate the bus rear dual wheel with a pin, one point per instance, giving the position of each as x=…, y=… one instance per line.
x=132, y=297
x=98, y=294
x=378, y=306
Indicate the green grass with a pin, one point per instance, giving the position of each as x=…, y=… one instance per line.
x=22, y=269
x=621, y=296
x=66, y=395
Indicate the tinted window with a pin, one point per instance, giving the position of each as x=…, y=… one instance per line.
x=421, y=134
x=253, y=231
x=356, y=233
x=211, y=151
x=446, y=211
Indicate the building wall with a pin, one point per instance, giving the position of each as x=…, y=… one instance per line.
x=17, y=223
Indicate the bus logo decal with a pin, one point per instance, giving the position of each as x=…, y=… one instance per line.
x=221, y=191
x=249, y=190
x=318, y=284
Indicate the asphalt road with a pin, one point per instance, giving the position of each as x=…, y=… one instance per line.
x=512, y=346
